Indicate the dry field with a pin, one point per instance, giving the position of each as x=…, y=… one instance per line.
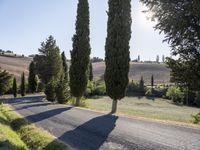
x=161, y=74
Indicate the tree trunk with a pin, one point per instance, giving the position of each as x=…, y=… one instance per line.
x=78, y=101
x=114, y=106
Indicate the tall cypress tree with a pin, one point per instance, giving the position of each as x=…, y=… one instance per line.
x=32, y=79
x=80, y=54
x=62, y=88
x=117, y=49
x=23, y=85
x=90, y=72
x=65, y=66
x=14, y=87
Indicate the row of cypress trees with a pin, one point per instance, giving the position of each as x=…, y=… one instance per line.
x=22, y=86
x=117, y=50
x=52, y=69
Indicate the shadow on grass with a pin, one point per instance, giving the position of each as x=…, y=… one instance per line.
x=7, y=145
x=92, y=134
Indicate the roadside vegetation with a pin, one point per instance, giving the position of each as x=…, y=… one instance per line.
x=17, y=133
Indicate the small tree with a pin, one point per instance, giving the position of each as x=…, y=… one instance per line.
x=141, y=85
x=163, y=58
x=32, y=78
x=65, y=66
x=23, y=86
x=62, y=90
x=14, y=87
x=157, y=59
x=90, y=72
x=5, y=82
x=152, y=82
x=50, y=91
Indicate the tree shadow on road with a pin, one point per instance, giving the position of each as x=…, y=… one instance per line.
x=92, y=134
x=47, y=114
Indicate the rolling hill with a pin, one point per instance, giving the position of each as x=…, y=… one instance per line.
x=161, y=74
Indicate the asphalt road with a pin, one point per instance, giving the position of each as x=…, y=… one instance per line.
x=87, y=130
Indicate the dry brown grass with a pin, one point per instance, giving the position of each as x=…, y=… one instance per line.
x=160, y=71
x=161, y=74
x=15, y=65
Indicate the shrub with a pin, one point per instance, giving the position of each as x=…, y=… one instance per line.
x=134, y=89
x=100, y=90
x=72, y=101
x=50, y=91
x=89, y=89
x=149, y=93
x=197, y=99
x=40, y=87
x=196, y=118
x=175, y=94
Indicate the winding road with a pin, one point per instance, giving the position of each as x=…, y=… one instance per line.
x=88, y=130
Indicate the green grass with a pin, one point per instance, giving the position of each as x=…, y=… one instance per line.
x=34, y=137
x=8, y=138
x=156, y=109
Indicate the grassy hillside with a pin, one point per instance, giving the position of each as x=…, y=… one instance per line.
x=15, y=65
x=160, y=71
x=161, y=74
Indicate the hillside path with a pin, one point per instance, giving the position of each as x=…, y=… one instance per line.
x=88, y=130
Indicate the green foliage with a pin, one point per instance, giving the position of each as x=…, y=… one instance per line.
x=149, y=93
x=197, y=99
x=179, y=20
x=62, y=90
x=50, y=91
x=141, y=85
x=32, y=78
x=23, y=85
x=35, y=138
x=117, y=48
x=41, y=87
x=196, y=118
x=99, y=90
x=65, y=66
x=49, y=66
x=89, y=89
x=152, y=81
x=5, y=82
x=48, y=63
x=175, y=94
x=72, y=101
x=81, y=50
x=14, y=87
x=90, y=72
x=135, y=89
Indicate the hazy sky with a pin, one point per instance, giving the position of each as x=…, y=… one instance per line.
x=24, y=24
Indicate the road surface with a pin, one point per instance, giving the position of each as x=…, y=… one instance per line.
x=87, y=130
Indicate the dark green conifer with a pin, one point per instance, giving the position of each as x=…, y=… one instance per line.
x=90, y=72
x=14, y=87
x=80, y=54
x=23, y=85
x=32, y=78
x=117, y=49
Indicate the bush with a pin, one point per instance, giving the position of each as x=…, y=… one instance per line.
x=134, y=89
x=50, y=91
x=149, y=93
x=89, y=89
x=196, y=118
x=40, y=87
x=175, y=94
x=197, y=99
x=99, y=90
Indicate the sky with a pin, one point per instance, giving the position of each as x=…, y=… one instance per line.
x=24, y=24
